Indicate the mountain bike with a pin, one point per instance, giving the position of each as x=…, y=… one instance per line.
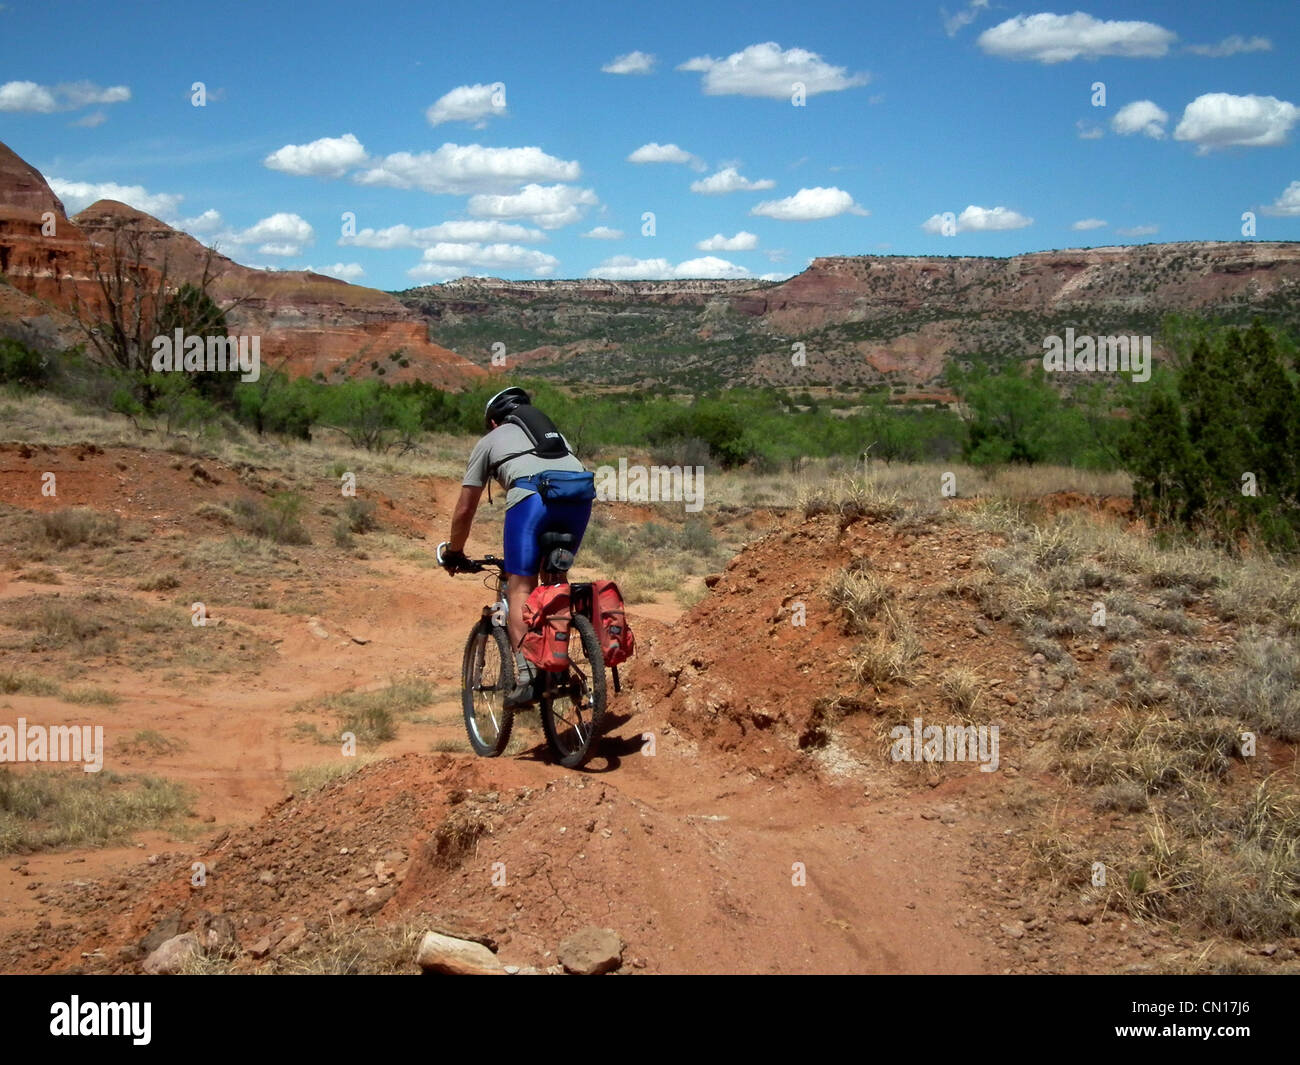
x=571, y=702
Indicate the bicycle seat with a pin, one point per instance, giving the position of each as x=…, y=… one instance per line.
x=556, y=550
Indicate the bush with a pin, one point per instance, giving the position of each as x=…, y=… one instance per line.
x=715, y=422
x=275, y=404
x=361, y=516
x=74, y=526
x=1216, y=447
x=278, y=520
x=20, y=365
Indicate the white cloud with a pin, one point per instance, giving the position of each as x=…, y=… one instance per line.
x=807, y=205
x=632, y=63
x=330, y=157
x=1141, y=116
x=343, y=271
x=954, y=22
x=460, y=169
x=468, y=103
x=1088, y=131
x=663, y=153
x=78, y=194
x=1221, y=120
x=280, y=248
x=980, y=220
x=1232, y=46
x=629, y=268
x=710, y=266
x=1139, y=231
x=483, y=229
x=66, y=96
x=201, y=225
x=26, y=96
x=548, y=206
x=282, y=233
x=76, y=94
x=404, y=236
x=90, y=121
x=765, y=70
x=742, y=241
x=1048, y=38
x=1288, y=204
x=449, y=259
x=604, y=233
x=1088, y=223
x=729, y=180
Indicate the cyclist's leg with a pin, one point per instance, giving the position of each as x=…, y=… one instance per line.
x=518, y=589
x=521, y=564
x=523, y=525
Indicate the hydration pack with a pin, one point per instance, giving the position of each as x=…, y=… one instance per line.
x=541, y=432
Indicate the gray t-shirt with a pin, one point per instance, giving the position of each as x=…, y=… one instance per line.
x=506, y=440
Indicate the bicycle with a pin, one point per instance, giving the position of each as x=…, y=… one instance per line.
x=571, y=702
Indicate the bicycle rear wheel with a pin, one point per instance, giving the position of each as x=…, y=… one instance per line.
x=487, y=677
x=573, y=708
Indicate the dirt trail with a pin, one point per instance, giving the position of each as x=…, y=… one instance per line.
x=694, y=854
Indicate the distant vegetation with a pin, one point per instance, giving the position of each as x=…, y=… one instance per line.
x=1214, y=438
x=1225, y=406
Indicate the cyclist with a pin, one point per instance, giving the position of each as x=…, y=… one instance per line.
x=507, y=453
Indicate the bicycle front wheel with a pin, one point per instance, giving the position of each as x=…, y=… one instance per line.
x=487, y=677
x=573, y=709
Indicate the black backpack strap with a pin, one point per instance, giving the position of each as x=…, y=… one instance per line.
x=492, y=469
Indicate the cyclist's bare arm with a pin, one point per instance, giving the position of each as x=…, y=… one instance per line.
x=463, y=516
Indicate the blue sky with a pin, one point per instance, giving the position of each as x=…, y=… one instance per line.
x=496, y=140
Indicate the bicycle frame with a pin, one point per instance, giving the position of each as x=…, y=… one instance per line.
x=498, y=612
x=580, y=688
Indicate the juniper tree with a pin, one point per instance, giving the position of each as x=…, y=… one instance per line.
x=1234, y=421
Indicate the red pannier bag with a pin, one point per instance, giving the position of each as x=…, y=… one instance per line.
x=547, y=614
x=609, y=619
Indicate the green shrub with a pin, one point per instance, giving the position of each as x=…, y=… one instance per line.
x=20, y=365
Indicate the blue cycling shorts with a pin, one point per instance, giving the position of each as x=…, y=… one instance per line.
x=532, y=516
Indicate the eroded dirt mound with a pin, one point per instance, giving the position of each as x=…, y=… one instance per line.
x=466, y=847
x=741, y=670
x=763, y=669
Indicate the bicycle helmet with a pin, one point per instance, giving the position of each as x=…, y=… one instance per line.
x=502, y=404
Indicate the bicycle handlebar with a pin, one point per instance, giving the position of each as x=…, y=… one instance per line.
x=473, y=565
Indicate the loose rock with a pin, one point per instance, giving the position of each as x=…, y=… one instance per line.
x=591, y=951
x=169, y=958
x=456, y=957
